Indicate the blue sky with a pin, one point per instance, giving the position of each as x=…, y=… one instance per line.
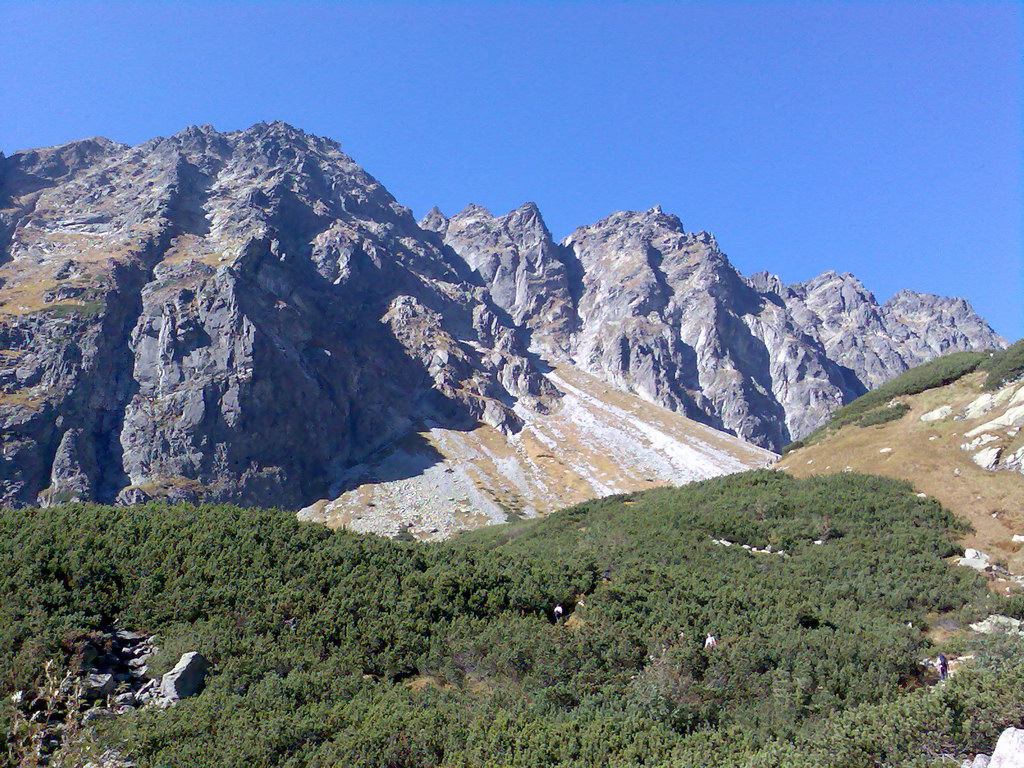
x=884, y=139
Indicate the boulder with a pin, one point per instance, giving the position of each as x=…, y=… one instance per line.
x=1009, y=751
x=979, y=761
x=98, y=686
x=187, y=678
x=988, y=458
x=128, y=637
x=979, y=406
x=972, y=558
x=938, y=414
x=997, y=623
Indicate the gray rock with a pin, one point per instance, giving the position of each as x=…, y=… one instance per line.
x=186, y=679
x=1009, y=751
x=98, y=686
x=127, y=636
x=525, y=272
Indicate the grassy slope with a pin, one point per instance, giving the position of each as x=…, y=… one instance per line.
x=930, y=464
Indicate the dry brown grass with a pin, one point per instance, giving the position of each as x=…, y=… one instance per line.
x=929, y=455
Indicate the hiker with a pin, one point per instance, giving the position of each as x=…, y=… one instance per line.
x=558, y=612
x=942, y=664
x=710, y=642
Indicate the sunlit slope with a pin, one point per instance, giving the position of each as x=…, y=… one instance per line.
x=966, y=452
x=598, y=441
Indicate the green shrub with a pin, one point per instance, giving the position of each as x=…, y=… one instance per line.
x=883, y=415
x=1004, y=366
x=335, y=649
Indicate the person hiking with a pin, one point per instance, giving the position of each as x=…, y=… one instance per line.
x=558, y=612
x=942, y=664
x=710, y=641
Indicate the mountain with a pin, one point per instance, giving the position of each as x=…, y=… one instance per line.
x=953, y=428
x=639, y=302
x=250, y=316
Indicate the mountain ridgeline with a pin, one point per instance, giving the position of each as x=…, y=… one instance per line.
x=242, y=316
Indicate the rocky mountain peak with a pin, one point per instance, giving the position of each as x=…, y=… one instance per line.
x=662, y=312
x=520, y=264
x=214, y=315
x=434, y=221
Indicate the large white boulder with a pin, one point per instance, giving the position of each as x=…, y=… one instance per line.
x=1012, y=417
x=938, y=414
x=996, y=624
x=988, y=458
x=979, y=406
x=1009, y=751
x=186, y=679
x=972, y=558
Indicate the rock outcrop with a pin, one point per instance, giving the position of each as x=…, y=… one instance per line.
x=186, y=679
x=1009, y=751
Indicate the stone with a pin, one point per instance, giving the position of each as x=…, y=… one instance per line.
x=972, y=558
x=1009, y=751
x=988, y=458
x=128, y=637
x=1011, y=417
x=979, y=406
x=979, y=761
x=98, y=686
x=1017, y=538
x=186, y=679
x=997, y=623
x=938, y=414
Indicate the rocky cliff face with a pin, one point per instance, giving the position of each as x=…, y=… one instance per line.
x=661, y=312
x=243, y=316
x=236, y=315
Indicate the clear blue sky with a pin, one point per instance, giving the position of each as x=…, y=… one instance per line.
x=884, y=139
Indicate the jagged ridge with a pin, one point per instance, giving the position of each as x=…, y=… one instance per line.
x=656, y=310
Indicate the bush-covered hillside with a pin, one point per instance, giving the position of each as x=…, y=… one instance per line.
x=1004, y=366
x=334, y=649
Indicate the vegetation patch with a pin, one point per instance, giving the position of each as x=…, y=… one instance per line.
x=1004, y=366
x=316, y=633
x=73, y=309
x=877, y=406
